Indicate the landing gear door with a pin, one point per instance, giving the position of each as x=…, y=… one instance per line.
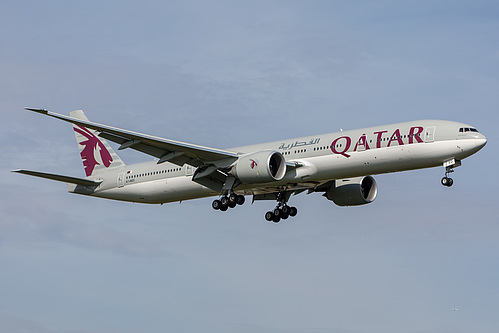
x=430, y=134
x=121, y=179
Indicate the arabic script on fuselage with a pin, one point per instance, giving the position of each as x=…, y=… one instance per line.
x=296, y=144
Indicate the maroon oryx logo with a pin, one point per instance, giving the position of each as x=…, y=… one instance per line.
x=253, y=164
x=93, y=149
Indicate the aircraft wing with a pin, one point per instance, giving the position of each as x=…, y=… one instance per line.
x=165, y=150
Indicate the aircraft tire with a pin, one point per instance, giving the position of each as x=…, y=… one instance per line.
x=216, y=204
x=240, y=199
x=269, y=216
x=293, y=211
x=225, y=201
x=232, y=198
x=446, y=181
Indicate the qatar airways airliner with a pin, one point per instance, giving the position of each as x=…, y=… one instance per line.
x=340, y=164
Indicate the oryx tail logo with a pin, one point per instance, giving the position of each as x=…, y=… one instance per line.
x=94, y=152
x=253, y=163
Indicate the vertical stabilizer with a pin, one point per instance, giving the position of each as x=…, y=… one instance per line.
x=96, y=154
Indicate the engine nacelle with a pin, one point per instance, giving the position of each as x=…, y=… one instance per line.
x=353, y=191
x=261, y=167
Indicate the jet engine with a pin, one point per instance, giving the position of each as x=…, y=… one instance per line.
x=352, y=191
x=260, y=167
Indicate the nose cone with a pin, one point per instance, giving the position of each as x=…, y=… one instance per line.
x=480, y=141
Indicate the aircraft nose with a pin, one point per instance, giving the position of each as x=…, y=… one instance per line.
x=481, y=141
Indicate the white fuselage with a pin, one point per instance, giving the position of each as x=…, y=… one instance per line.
x=320, y=158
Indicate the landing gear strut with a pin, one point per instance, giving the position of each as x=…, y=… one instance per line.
x=447, y=181
x=282, y=210
x=449, y=168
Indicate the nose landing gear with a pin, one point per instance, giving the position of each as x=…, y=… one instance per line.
x=449, y=168
x=446, y=181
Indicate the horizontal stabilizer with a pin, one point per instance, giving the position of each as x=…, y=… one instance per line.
x=42, y=111
x=60, y=178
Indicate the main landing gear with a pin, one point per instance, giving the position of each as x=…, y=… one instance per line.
x=282, y=210
x=281, y=213
x=228, y=201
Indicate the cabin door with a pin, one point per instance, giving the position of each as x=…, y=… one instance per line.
x=188, y=170
x=430, y=134
x=121, y=179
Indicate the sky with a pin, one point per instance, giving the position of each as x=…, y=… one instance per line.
x=233, y=73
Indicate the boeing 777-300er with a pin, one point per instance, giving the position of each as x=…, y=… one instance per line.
x=340, y=164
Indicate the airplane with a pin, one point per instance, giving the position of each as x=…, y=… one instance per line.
x=340, y=165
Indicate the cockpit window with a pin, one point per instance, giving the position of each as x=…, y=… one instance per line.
x=467, y=129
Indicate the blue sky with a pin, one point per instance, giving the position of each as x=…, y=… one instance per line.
x=230, y=73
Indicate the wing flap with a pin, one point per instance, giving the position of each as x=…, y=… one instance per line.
x=60, y=178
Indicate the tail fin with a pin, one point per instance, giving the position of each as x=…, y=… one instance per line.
x=96, y=154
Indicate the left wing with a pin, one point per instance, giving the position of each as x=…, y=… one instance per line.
x=165, y=150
